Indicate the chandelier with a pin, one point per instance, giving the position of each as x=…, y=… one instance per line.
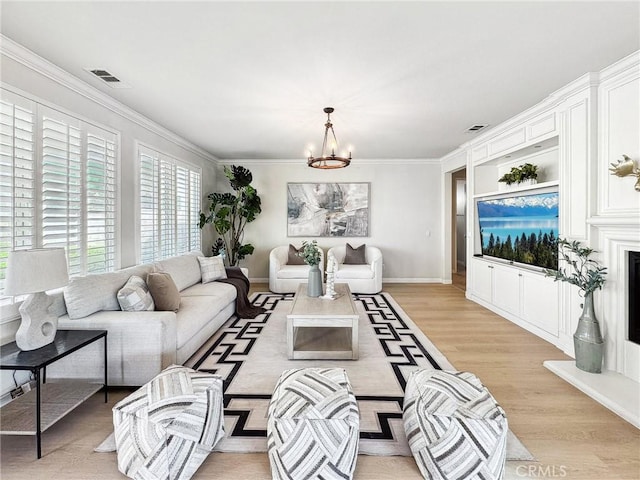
x=326, y=161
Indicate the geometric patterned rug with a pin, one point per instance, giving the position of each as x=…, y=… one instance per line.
x=250, y=355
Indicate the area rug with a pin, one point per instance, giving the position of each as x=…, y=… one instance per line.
x=251, y=354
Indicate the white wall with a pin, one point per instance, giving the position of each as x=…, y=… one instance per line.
x=405, y=205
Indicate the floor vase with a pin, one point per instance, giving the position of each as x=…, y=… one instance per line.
x=587, y=340
x=314, y=287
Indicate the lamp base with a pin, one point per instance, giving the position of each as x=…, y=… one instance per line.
x=38, y=327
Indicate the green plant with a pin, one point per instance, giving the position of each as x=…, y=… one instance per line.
x=230, y=212
x=583, y=272
x=519, y=174
x=310, y=252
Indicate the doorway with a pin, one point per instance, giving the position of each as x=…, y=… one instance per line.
x=459, y=227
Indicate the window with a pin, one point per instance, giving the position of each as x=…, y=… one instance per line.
x=169, y=206
x=58, y=185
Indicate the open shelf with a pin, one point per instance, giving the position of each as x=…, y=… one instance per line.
x=18, y=417
x=523, y=188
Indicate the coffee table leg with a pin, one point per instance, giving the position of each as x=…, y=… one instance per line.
x=290, y=339
x=355, y=348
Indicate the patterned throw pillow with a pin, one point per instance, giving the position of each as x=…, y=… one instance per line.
x=355, y=256
x=212, y=268
x=293, y=258
x=135, y=296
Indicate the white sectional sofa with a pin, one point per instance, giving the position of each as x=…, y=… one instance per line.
x=141, y=344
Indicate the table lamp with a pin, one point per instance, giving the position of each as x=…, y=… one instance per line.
x=35, y=271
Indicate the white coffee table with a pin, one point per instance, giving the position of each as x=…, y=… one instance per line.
x=323, y=329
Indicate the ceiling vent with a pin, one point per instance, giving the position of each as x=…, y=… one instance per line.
x=107, y=77
x=475, y=128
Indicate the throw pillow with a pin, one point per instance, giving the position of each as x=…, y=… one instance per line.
x=212, y=268
x=293, y=258
x=355, y=256
x=135, y=296
x=164, y=291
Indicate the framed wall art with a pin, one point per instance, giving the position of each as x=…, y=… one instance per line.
x=328, y=209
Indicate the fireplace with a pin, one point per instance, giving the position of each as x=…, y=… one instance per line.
x=634, y=297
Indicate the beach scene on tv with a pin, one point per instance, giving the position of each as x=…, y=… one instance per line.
x=521, y=228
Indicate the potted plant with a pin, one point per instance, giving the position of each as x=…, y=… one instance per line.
x=230, y=212
x=311, y=255
x=526, y=173
x=588, y=275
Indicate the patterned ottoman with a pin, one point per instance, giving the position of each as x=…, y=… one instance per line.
x=166, y=428
x=455, y=428
x=313, y=425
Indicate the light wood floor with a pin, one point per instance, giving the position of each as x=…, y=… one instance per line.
x=571, y=435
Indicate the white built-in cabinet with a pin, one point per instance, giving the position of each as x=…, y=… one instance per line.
x=525, y=297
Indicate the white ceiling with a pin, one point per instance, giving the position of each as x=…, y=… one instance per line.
x=250, y=80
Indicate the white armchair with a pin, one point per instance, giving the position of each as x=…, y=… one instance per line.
x=365, y=278
x=285, y=278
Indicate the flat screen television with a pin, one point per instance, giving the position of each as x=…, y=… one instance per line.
x=521, y=228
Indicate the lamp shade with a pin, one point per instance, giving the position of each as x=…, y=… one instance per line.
x=37, y=270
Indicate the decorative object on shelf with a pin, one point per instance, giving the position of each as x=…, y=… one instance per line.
x=330, y=293
x=328, y=209
x=524, y=174
x=626, y=167
x=328, y=161
x=311, y=255
x=34, y=272
x=588, y=275
x=229, y=213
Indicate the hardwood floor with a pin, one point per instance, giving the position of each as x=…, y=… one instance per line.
x=571, y=435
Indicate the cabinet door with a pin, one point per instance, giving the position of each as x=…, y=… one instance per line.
x=482, y=280
x=506, y=289
x=540, y=302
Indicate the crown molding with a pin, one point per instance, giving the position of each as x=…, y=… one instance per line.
x=31, y=60
x=354, y=162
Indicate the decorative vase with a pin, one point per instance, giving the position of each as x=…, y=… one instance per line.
x=314, y=286
x=587, y=340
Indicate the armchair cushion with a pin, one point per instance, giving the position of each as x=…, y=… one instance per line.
x=355, y=256
x=354, y=271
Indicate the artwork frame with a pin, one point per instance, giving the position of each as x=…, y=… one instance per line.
x=328, y=209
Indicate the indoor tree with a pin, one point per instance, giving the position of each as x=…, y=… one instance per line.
x=230, y=212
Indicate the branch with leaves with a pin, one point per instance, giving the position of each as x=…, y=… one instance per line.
x=583, y=272
x=310, y=252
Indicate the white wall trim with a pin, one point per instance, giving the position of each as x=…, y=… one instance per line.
x=26, y=57
x=411, y=280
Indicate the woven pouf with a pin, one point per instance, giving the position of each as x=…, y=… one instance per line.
x=166, y=428
x=455, y=428
x=313, y=425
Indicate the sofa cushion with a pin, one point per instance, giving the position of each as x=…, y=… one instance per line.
x=212, y=268
x=184, y=269
x=294, y=271
x=293, y=258
x=164, y=291
x=355, y=256
x=195, y=311
x=354, y=271
x=135, y=296
x=224, y=290
x=94, y=293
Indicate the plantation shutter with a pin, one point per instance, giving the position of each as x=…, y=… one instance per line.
x=194, y=205
x=17, y=177
x=149, y=208
x=101, y=202
x=61, y=209
x=169, y=206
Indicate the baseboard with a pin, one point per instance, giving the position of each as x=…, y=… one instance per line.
x=412, y=280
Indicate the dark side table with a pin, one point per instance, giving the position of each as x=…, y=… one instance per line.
x=51, y=401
